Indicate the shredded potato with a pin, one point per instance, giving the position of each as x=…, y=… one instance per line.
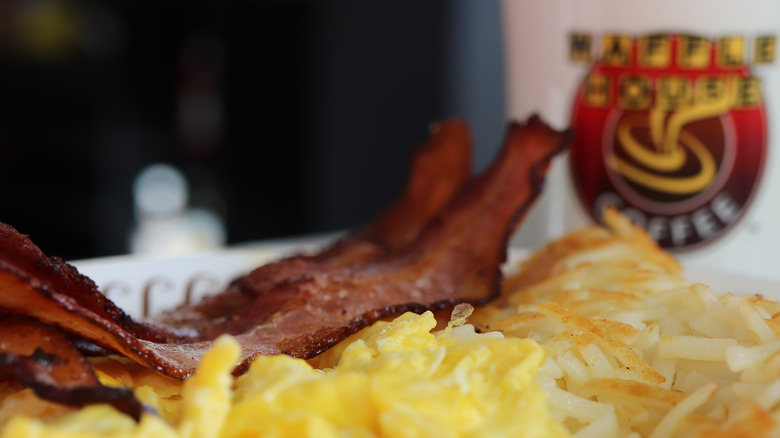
x=636, y=350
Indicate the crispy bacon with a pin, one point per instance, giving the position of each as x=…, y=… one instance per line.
x=439, y=170
x=42, y=359
x=23, y=265
x=455, y=258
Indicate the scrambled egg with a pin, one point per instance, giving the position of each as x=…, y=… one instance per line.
x=394, y=379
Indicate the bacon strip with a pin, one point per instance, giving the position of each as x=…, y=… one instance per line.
x=42, y=359
x=439, y=170
x=457, y=258
x=23, y=265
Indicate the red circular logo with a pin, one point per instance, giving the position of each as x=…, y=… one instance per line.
x=670, y=129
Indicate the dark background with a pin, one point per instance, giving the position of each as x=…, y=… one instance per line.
x=287, y=118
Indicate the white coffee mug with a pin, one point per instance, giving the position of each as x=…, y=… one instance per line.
x=674, y=106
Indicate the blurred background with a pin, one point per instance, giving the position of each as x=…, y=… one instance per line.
x=272, y=118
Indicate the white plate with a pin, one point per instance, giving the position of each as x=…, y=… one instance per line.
x=741, y=284
x=144, y=285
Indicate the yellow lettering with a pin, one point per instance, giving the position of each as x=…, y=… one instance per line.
x=764, y=50
x=673, y=92
x=709, y=89
x=597, y=90
x=580, y=47
x=731, y=51
x=693, y=51
x=634, y=92
x=616, y=49
x=655, y=51
x=749, y=92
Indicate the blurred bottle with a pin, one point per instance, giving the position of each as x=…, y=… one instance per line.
x=164, y=223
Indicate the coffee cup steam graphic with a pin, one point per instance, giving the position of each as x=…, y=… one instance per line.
x=673, y=151
x=674, y=146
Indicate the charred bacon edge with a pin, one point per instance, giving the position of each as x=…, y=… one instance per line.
x=65, y=313
x=32, y=375
x=23, y=257
x=43, y=359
